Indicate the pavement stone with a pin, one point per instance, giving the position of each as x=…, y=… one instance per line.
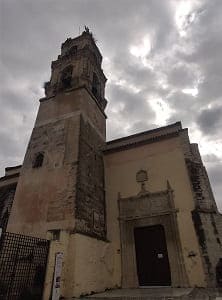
x=165, y=293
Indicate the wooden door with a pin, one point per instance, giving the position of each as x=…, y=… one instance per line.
x=153, y=267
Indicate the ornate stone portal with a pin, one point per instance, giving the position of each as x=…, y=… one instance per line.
x=148, y=209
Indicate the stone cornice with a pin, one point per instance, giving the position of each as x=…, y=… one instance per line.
x=75, y=89
x=132, y=144
x=4, y=178
x=156, y=214
x=146, y=137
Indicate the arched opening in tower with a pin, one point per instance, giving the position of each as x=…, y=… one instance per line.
x=95, y=86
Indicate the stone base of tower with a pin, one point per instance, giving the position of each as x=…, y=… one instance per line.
x=88, y=266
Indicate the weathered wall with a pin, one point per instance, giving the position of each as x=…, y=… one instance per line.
x=164, y=160
x=203, y=195
x=209, y=237
x=94, y=265
x=88, y=265
x=206, y=218
x=90, y=208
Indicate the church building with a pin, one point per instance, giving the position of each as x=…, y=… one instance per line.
x=132, y=212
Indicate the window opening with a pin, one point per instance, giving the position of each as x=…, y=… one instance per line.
x=55, y=234
x=95, y=86
x=73, y=50
x=38, y=162
x=66, y=77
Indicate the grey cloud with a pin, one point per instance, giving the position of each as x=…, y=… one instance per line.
x=133, y=106
x=9, y=147
x=126, y=110
x=211, y=158
x=210, y=120
x=140, y=126
x=134, y=72
x=31, y=34
x=184, y=108
x=18, y=100
x=215, y=172
x=207, y=43
x=182, y=76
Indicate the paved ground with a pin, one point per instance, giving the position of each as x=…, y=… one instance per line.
x=143, y=293
x=165, y=293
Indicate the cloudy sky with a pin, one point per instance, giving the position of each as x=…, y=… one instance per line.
x=162, y=58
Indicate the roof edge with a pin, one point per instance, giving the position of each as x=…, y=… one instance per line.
x=141, y=142
x=176, y=124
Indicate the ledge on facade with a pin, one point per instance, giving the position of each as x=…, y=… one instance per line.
x=46, y=98
x=213, y=210
x=146, y=194
x=10, y=173
x=149, y=215
x=4, y=178
x=145, y=137
x=12, y=170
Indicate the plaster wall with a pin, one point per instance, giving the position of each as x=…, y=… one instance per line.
x=88, y=265
x=61, y=245
x=164, y=160
x=94, y=265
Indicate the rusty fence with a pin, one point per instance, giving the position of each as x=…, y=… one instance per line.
x=23, y=261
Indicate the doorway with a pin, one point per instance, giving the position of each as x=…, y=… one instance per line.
x=153, y=267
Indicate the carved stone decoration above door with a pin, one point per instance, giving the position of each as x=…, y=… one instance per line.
x=146, y=205
x=144, y=210
x=141, y=178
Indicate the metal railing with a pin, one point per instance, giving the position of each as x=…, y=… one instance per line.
x=23, y=261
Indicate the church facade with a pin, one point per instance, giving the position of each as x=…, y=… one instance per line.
x=135, y=211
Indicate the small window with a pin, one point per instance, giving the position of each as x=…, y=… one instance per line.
x=66, y=77
x=73, y=50
x=55, y=234
x=38, y=161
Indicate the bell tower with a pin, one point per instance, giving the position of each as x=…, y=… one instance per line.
x=61, y=186
x=78, y=65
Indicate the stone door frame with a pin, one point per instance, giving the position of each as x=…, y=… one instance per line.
x=145, y=210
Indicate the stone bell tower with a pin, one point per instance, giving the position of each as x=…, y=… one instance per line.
x=61, y=186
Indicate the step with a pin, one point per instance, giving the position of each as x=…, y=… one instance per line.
x=163, y=293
